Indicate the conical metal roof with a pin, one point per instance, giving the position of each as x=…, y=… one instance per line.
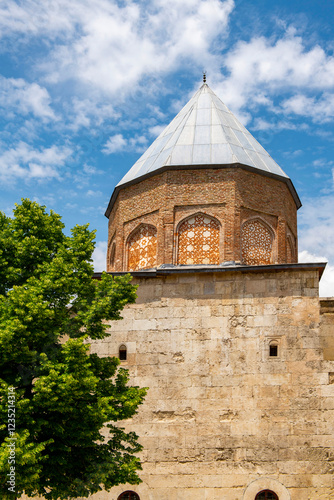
x=205, y=132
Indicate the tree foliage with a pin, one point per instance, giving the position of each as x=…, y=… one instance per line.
x=66, y=400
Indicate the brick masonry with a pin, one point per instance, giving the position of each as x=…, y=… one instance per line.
x=230, y=195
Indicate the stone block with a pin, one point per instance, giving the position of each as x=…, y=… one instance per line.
x=217, y=405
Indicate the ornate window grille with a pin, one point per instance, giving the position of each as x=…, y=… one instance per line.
x=256, y=243
x=198, y=240
x=142, y=248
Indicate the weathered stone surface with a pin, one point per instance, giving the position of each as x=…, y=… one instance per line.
x=221, y=413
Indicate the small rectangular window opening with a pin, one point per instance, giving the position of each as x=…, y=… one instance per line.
x=122, y=354
x=273, y=350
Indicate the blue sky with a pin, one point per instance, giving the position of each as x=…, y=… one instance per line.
x=86, y=86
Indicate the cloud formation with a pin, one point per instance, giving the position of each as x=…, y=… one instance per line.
x=316, y=224
x=21, y=97
x=263, y=68
x=114, y=46
x=118, y=143
x=103, y=77
x=25, y=163
x=327, y=279
x=99, y=256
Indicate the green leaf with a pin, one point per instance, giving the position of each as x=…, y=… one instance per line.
x=67, y=401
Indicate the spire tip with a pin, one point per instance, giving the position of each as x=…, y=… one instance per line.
x=204, y=76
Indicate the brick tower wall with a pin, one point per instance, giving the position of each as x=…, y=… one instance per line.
x=231, y=196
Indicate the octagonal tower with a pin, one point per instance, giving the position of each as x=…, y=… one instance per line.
x=205, y=192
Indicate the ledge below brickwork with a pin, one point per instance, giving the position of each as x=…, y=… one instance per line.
x=167, y=269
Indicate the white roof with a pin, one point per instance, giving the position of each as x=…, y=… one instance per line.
x=205, y=132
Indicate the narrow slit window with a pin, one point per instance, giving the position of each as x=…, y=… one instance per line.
x=122, y=353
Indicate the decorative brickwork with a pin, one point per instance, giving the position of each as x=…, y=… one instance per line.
x=256, y=241
x=112, y=255
x=142, y=248
x=198, y=240
x=290, y=249
x=232, y=196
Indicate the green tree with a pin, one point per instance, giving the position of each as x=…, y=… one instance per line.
x=66, y=400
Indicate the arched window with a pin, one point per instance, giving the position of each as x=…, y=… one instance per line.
x=290, y=250
x=256, y=243
x=112, y=255
x=198, y=240
x=266, y=495
x=128, y=495
x=142, y=248
x=122, y=352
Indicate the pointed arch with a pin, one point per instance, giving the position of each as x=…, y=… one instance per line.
x=112, y=255
x=257, y=242
x=290, y=248
x=142, y=248
x=111, y=252
x=198, y=240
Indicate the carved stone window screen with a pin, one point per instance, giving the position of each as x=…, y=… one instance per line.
x=142, y=248
x=198, y=240
x=256, y=243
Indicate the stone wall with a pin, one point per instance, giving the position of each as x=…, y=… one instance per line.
x=232, y=196
x=327, y=328
x=223, y=419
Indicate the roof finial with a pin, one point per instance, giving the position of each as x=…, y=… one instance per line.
x=204, y=76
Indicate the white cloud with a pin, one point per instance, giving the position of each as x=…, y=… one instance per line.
x=114, y=144
x=93, y=194
x=112, y=46
x=114, y=49
x=107, y=48
x=267, y=67
x=50, y=18
x=83, y=176
x=24, y=98
x=89, y=112
x=99, y=256
x=326, y=288
x=316, y=237
x=320, y=110
x=26, y=163
x=316, y=226
x=118, y=143
x=326, y=285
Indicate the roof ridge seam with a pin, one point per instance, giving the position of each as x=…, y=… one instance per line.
x=242, y=145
